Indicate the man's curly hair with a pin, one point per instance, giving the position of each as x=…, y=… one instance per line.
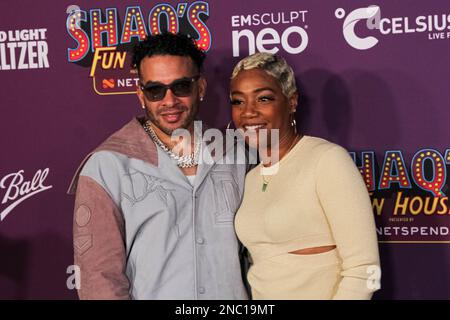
x=168, y=44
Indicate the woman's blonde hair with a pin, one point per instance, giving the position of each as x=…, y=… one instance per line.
x=273, y=65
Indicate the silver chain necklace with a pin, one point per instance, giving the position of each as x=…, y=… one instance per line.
x=186, y=161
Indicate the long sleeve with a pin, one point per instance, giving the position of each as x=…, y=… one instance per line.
x=99, y=245
x=346, y=203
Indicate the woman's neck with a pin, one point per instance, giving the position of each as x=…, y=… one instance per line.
x=286, y=143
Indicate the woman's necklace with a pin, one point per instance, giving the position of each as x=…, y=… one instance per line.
x=266, y=180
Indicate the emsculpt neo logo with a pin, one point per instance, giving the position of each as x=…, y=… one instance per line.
x=371, y=15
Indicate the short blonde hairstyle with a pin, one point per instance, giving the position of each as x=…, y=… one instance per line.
x=273, y=65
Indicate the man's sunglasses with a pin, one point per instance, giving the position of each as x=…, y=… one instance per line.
x=181, y=88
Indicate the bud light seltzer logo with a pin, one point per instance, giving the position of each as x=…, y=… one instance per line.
x=103, y=38
x=24, y=49
x=409, y=194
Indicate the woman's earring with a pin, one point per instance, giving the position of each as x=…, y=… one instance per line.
x=143, y=107
x=294, y=122
x=201, y=99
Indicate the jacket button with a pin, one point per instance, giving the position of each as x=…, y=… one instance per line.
x=200, y=241
x=201, y=290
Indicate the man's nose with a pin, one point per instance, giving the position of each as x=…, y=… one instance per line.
x=169, y=98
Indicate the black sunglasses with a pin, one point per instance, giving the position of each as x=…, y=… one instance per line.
x=157, y=91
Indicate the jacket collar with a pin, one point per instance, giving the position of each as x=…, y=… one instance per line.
x=131, y=140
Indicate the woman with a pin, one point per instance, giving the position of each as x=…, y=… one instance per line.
x=309, y=227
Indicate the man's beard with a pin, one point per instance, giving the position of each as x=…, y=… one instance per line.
x=184, y=125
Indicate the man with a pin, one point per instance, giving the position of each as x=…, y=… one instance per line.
x=150, y=223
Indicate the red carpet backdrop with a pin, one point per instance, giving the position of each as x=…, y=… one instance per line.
x=373, y=77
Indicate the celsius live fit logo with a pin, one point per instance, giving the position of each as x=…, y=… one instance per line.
x=437, y=26
x=104, y=37
x=370, y=14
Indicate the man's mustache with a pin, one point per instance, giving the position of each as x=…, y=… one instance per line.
x=173, y=109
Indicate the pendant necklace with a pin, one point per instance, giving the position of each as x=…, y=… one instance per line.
x=265, y=180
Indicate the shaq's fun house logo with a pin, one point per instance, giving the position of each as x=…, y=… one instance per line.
x=104, y=37
x=270, y=32
x=436, y=26
x=409, y=199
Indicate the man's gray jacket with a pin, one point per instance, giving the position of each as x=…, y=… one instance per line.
x=142, y=231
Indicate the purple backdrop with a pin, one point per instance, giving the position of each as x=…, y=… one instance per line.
x=371, y=79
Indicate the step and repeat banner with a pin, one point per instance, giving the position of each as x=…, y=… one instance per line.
x=373, y=77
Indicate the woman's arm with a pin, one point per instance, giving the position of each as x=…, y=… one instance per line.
x=347, y=206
